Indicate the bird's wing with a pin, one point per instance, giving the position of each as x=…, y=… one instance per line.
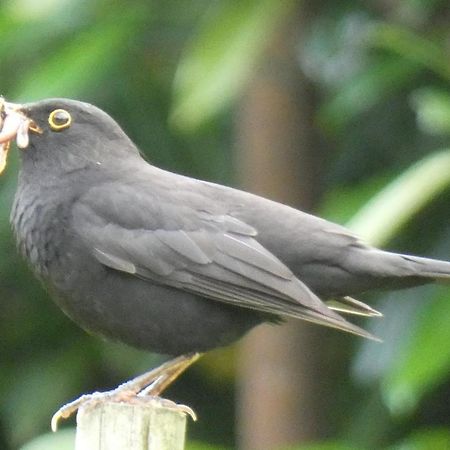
x=213, y=255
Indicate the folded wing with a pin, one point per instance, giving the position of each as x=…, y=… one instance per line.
x=213, y=255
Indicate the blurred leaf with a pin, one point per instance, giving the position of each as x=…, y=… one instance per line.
x=426, y=360
x=432, y=439
x=219, y=61
x=385, y=74
x=31, y=31
x=62, y=440
x=81, y=61
x=432, y=107
x=413, y=47
x=195, y=445
x=364, y=89
x=29, y=10
x=387, y=212
x=417, y=12
x=341, y=203
x=335, y=48
x=328, y=445
x=373, y=361
x=219, y=365
x=124, y=361
x=43, y=381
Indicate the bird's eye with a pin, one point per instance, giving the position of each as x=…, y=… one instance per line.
x=59, y=120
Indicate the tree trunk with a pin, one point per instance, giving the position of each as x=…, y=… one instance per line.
x=278, y=156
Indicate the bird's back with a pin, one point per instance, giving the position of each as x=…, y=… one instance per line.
x=327, y=257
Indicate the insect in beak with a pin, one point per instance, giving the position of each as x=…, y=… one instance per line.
x=14, y=124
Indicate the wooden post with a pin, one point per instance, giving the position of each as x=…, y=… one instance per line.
x=141, y=425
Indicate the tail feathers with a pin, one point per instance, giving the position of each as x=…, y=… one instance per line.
x=336, y=322
x=429, y=268
x=397, y=271
x=349, y=305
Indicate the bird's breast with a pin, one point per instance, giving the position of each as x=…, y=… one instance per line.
x=37, y=219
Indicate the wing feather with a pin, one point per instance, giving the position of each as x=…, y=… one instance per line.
x=215, y=256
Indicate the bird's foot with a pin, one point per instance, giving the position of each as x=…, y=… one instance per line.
x=145, y=387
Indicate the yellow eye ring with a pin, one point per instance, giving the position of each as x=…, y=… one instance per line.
x=59, y=119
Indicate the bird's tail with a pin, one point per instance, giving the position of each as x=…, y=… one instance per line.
x=405, y=270
x=430, y=268
x=385, y=270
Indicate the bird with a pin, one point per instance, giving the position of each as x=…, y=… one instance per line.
x=168, y=263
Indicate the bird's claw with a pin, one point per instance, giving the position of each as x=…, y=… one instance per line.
x=70, y=408
x=169, y=404
x=91, y=400
x=144, y=388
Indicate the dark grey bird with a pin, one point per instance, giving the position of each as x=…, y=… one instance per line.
x=169, y=263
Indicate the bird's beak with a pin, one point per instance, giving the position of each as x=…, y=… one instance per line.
x=14, y=124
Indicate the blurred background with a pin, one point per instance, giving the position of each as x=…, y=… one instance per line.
x=338, y=107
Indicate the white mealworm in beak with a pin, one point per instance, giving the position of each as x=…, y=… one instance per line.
x=3, y=155
x=11, y=126
x=15, y=125
x=22, y=138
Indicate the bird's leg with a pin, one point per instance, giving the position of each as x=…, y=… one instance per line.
x=151, y=383
x=161, y=383
x=166, y=373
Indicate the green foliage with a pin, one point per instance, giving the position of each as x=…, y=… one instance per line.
x=365, y=90
x=424, y=362
x=413, y=47
x=203, y=446
x=219, y=61
x=329, y=445
x=63, y=440
x=438, y=439
x=405, y=195
x=432, y=106
x=74, y=68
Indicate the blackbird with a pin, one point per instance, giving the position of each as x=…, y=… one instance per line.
x=169, y=263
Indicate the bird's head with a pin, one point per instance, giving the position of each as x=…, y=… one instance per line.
x=60, y=132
